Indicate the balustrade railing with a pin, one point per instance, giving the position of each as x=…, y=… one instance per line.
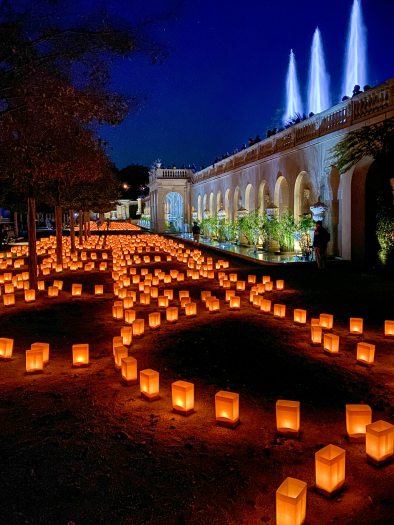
x=336, y=120
x=160, y=173
x=307, y=132
x=373, y=101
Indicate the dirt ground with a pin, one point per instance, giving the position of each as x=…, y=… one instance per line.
x=79, y=448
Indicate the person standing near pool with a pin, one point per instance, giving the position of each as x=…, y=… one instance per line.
x=196, y=232
x=321, y=238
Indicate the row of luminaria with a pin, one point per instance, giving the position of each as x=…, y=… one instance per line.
x=127, y=254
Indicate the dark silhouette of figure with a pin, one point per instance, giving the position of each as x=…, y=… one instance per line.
x=356, y=90
x=196, y=232
x=321, y=238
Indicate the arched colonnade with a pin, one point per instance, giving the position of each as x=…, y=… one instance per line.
x=282, y=196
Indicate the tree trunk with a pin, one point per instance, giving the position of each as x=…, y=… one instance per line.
x=84, y=226
x=16, y=229
x=32, y=238
x=88, y=223
x=59, y=231
x=72, y=231
x=80, y=221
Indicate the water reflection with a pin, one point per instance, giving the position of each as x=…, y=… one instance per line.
x=247, y=251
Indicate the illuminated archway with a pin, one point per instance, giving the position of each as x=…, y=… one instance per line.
x=218, y=201
x=304, y=196
x=199, y=208
x=249, y=198
x=281, y=197
x=227, y=204
x=237, y=200
x=263, y=197
x=173, y=211
x=211, y=206
x=204, y=204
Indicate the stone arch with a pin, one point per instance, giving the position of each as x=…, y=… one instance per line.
x=281, y=195
x=237, y=200
x=304, y=195
x=218, y=201
x=250, y=198
x=263, y=197
x=211, y=205
x=352, y=212
x=227, y=204
x=333, y=183
x=370, y=181
x=199, y=207
x=174, y=210
x=204, y=204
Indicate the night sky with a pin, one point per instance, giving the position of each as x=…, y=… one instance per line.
x=224, y=78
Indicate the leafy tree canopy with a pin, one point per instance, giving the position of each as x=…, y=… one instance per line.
x=376, y=141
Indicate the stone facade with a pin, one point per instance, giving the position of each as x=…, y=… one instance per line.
x=292, y=170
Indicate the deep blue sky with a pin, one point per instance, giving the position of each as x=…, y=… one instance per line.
x=224, y=78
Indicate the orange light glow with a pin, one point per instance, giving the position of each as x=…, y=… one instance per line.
x=149, y=384
x=235, y=302
x=326, y=321
x=291, y=502
x=389, y=328
x=316, y=334
x=76, y=290
x=331, y=344
x=379, y=442
x=129, y=370
x=44, y=347
x=365, y=353
x=279, y=310
x=80, y=355
x=183, y=397
x=357, y=418
x=227, y=408
x=6, y=347
x=172, y=314
x=34, y=360
x=299, y=316
x=120, y=352
x=138, y=327
x=288, y=417
x=190, y=309
x=356, y=325
x=154, y=320
x=30, y=296
x=330, y=469
x=9, y=299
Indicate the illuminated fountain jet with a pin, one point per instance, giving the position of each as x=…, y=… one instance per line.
x=293, y=99
x=318, y=89
x=355, y=71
